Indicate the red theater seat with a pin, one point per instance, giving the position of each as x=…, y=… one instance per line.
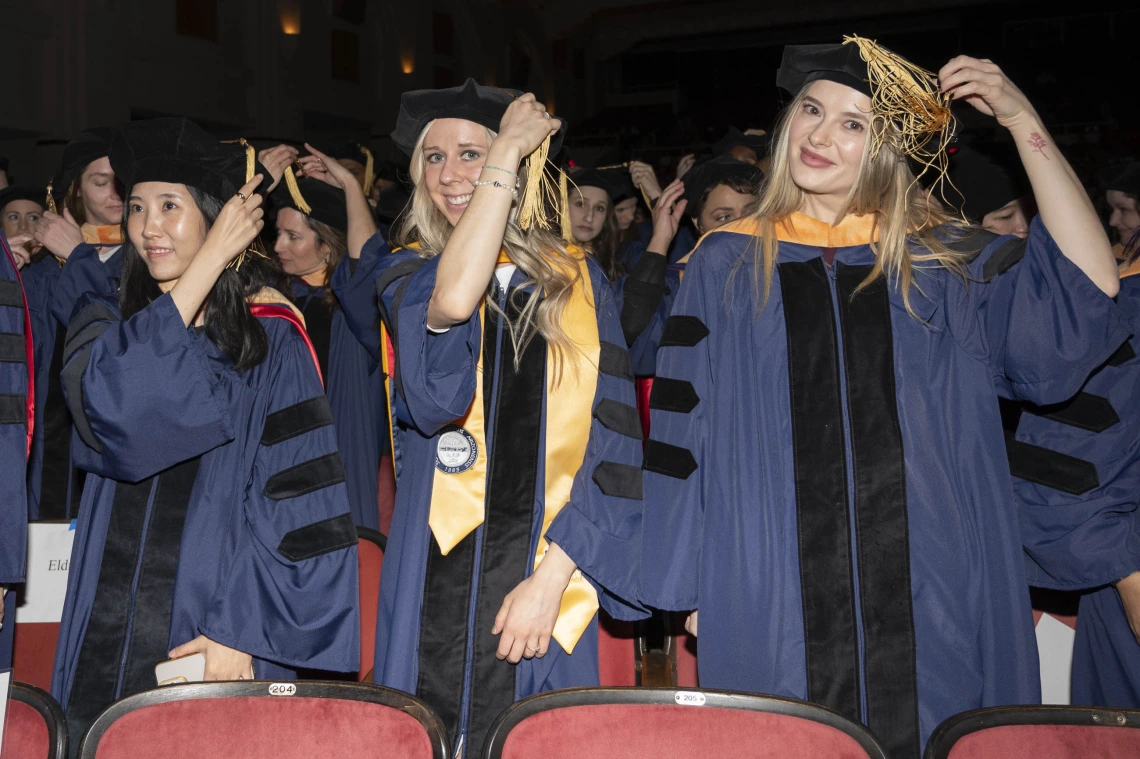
x=370, y=552
x=240, y=719
x=664, y=723
x=33, y=652
x=617, y=663
x=1038, y=732
x=36, y=728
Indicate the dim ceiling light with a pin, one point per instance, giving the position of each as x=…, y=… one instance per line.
x=407, y=63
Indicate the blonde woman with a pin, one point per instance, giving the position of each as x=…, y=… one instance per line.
x=518, y=502
x=826, y=480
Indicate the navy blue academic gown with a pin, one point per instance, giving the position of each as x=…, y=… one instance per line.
x=15, y=344
x=629, y=253
x=826, y=478
x=215, y=505
x=1076, y=469
x=434, y=638
x=54, y=485
x=354, y=385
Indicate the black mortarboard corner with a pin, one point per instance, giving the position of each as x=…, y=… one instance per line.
x=21, y=192
x=705, y=176
x=326, y=203
x=486, y=106
x=615, y=181
x=979, y=185
x=804, y=64
x=89, y=145
x=757, y=143
x=1123, y=177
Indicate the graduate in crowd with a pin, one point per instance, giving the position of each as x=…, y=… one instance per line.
x=750, y=146
x=358, y=160
x=826, y=481
x=1123, y=198
x=714, y=193
x=519, y=498
x=593, y=195
x=1076, y=474
x=215, y=517
x=995, y=198
x=315, y=231
x=21, y=209
x=17, y=398
x=80, y=238
x=644, y=179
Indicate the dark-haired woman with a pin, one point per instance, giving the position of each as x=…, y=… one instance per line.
x=826, y=481
x=310, y=246
x=215, y=519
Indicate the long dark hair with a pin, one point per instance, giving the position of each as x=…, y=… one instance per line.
x=606, y=245
x=229, y=323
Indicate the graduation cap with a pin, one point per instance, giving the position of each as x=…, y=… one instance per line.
x=736, y=138
x=88, y=146
x=703, y=177
x=904, y=96
x=1123, y=177
x=980, y=185
x=615, y=182
x=325, y=203
x=392, y=202
x=485, y=106
x=354, y=151
x=33, y=194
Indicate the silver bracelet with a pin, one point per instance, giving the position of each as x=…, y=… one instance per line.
x=496, y=183
x=505, y=171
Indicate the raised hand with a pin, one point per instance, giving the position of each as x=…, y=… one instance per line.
x=276, y=159
x=317, y=165
x=59, y=234
x=526, y=124
x=667, y=215
x=983, y=85
x=685, y=164
x=21, y=249
x=238, y=223
x=645, y=178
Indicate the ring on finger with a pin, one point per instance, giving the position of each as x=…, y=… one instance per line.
x=241, y=195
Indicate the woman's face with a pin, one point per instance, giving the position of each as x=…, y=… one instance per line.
x=826, y=139
x=300, y=250
x=588, y=209
x=454, y=151
x=20, y=217
x=166, y=227
x=722, y=205
x=1010, y=219
x=1125, y=217
x=101, y=199
x=624, y=213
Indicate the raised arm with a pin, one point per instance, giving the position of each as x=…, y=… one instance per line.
x=361, y=224
x=1064, y=205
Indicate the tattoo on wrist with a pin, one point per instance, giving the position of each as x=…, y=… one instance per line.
x=1037, y=142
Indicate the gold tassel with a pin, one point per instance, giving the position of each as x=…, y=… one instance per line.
x=250, y=170
x=51, y=200
x=369, y=164
x=540, y=191
x=564, y=206
x=295, y=192
x=907, y=96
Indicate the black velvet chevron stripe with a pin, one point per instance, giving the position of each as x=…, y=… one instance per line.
x=1004, y=258
x=307, y=477
x=683, y=331
x=78, y=333
x=72, y=378
x=1050, y=468
x=1084, y=411
x=669, y=460
x=295, y=420
x=11, y=294
x=13, y=409
x=673, y=395
x=619, y=417
x=614, y=360
x=1124, y=353
x=12, y=348
x=618, y=480
x=318, y=538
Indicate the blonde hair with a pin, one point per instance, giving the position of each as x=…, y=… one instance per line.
x=905, y=216
x=539, y=254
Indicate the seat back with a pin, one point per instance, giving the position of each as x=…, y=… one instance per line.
x=617, y=661
x=664, y=723
x=1034, y=732
x=263, y=720
x=35, y=726
x=370, y=553
x=33, y=652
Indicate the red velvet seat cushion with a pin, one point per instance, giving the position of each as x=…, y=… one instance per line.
x=371, y=561
x=265, y=728
x=1049, y=742
x=643, y=731
x=26, y=734
x=615, y=652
